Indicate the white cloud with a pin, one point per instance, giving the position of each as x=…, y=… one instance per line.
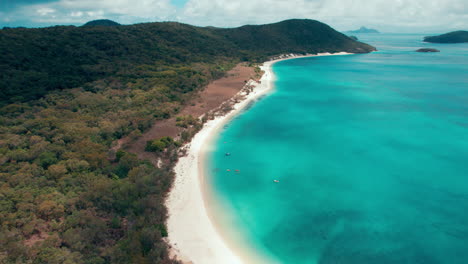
x=4, y=17
x=76, y=14
x=45, y=11
x=235, y=13
x=394, y=15
x=141, y=8
x=81, y=11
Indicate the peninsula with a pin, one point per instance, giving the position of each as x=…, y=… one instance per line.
x=95, y=118
x=460, y=36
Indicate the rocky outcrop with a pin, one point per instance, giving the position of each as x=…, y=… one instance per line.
x=427, y=50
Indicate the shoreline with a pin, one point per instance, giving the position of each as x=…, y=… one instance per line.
x=193, y=235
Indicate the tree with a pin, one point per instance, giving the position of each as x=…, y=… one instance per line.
x=159, y=145
x=49, y=210
x=46, y=159
x=56, y=171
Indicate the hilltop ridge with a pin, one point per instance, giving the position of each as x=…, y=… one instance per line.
x=101, y=22
x=36, y=61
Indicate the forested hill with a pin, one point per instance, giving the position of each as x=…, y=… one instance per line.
x=296, y=36
x=35, y=61
x=451, y=37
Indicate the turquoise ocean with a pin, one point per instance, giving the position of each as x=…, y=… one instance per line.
x=371, y=155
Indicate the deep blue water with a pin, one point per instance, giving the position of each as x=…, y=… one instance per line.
x=371, y=152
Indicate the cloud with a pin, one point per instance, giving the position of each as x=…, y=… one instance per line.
x=390, y=16
x=406, y=15
x=141, y=8
x=236, y=13
x=45, y=11
x=5, y=18
x=81, y=11
x=76, y=14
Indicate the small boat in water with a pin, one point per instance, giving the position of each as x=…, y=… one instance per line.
x=227, y=154
x=276, y=181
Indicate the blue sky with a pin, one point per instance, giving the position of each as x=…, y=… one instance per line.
x=388, y=16
x=179, y=3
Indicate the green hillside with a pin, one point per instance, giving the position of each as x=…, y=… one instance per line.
x=291, y=36
x=451, y=37
x=35, y=61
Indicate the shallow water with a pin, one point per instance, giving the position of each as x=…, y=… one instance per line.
x=371, y=152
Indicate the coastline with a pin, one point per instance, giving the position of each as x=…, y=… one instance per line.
x=193, y=234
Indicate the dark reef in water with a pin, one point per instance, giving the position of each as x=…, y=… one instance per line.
x=427, y=50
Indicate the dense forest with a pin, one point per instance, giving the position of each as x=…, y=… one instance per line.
x=67, y=94
x=35, y=61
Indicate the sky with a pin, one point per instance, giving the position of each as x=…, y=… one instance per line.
x=407, y=16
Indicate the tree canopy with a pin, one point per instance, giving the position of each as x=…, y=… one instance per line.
x=36, y=61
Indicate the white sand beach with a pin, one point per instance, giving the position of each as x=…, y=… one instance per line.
x=193, y=235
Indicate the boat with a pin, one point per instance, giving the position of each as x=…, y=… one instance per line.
x=227, y=154
x=276, y=181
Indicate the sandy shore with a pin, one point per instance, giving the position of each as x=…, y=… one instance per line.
x=214, y=94
x=193, y=235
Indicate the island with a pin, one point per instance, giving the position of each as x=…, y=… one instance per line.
x=363, y=30
x=427, y=50
x=460, y=36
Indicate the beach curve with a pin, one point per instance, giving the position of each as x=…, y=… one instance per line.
x=193, y=235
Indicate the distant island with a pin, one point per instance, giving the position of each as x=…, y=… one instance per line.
x=460, y=36
x=363, y=30
x=427, y=50
x=102, y=22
